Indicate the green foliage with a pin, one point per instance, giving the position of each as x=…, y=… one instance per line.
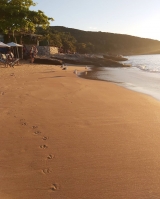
x=16, y=16
x=103, y=42
x=81, y=47
x=97, y=42
x=87, y=47
x=55, y=40
x=68, y=42
x=59, y=39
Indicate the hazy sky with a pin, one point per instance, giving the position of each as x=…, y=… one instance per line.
x=133, y=17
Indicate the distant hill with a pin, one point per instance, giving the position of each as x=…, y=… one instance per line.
x=113, y=43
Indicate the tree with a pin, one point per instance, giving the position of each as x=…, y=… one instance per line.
x=62, y=40
x=15, y=15
x=68, y=42
x=81, y=47
x=55, y=40
x=89, y=47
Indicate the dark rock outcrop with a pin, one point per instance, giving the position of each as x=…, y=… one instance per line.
x=115, y=58
x=104, y=62
x=76, y=61
x=48, y=61
x=82, y=60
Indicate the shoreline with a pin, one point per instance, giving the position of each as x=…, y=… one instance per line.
x=68, y=137
x=121, y=80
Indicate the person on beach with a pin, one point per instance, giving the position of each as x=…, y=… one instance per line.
x=10, y=58
x=33, y=53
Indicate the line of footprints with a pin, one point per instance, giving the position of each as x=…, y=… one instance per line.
x=54, y=186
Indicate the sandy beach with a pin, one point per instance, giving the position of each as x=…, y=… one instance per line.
x=65, y=137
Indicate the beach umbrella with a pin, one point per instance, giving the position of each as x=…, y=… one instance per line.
x=12, y=44
x=2, y=45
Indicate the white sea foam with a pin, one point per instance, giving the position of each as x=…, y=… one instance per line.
x=143, y=75
x=150, y=63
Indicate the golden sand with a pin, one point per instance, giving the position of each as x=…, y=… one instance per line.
x=64, y=137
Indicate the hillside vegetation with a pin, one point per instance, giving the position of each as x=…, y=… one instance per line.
x=74, y=40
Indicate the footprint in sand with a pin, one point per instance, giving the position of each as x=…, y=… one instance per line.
x=23, y=122
x=34, y=127
x=54, y=187
x=37, y=132
x=43, y=146
x=49, y=157
x=46, y=171
x=44, y=138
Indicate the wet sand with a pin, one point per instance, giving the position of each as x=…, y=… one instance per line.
x=65, y=137
x=132, y=78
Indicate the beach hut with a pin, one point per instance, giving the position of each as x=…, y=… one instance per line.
x=2, y=45
x=15, y=47
x=3, y=48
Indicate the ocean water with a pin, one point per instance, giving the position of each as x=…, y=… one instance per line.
x=143, y=75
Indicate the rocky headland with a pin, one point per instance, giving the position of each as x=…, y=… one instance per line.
x=79, y=59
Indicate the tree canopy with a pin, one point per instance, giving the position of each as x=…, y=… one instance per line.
x=62, y=40
x=102, y=42
x=15, y=15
